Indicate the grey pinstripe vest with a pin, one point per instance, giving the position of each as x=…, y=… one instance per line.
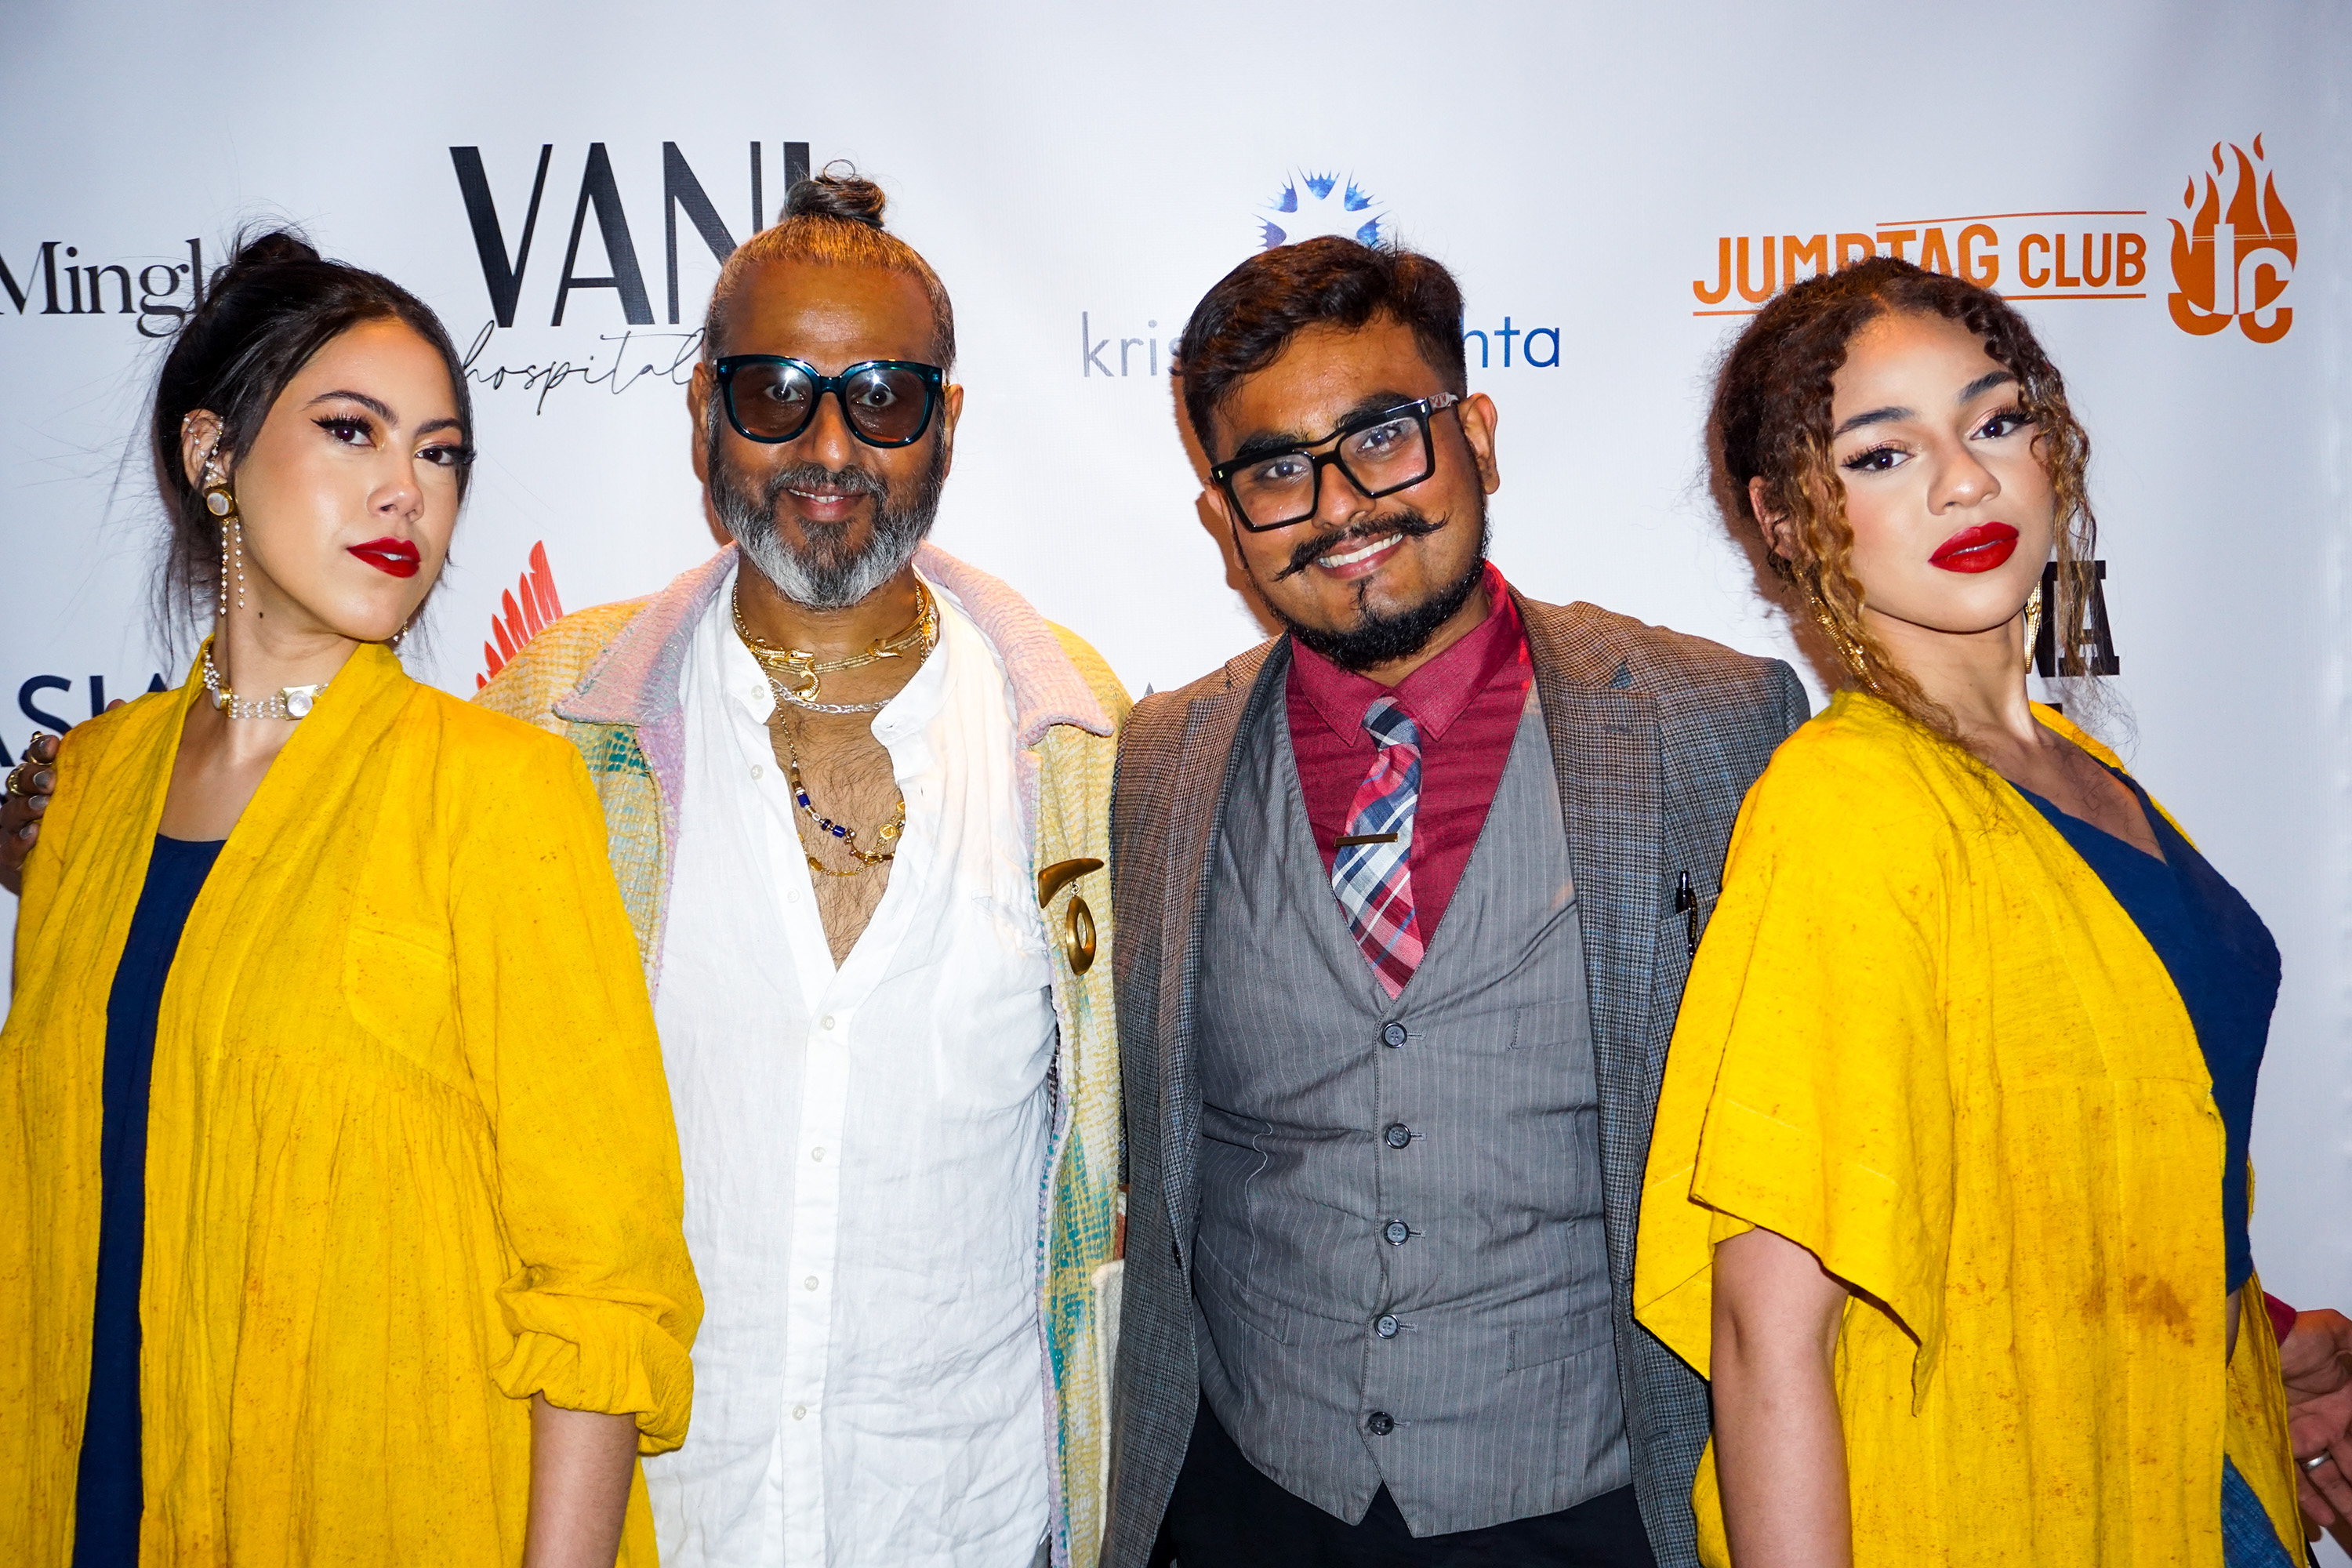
x=1401, y=1273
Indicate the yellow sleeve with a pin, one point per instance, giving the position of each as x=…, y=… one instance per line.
x=560, y=1033
x=1807, y=1090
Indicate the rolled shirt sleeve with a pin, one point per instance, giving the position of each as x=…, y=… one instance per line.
x=559, y=1029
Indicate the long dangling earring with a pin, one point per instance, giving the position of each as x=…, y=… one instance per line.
x=221, y=502
x=2033, y=627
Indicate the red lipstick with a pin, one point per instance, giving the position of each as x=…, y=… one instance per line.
x=399, y=558
x=1977, y=549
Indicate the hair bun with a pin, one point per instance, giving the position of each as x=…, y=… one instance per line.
x=275, y=247
x=844, y=196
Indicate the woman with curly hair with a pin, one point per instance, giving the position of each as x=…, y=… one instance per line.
x=1948, y=1193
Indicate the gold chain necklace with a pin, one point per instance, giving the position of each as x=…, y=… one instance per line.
x=840, y=833
x=795, y=673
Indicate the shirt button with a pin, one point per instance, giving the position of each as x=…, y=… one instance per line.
x=827, y=1020
x=799, y=1412
x=817, y=1153
x=1398, y=1135
x=1394, y=1232
x=1394, y=1034
x=793, y=896
x=1380, y=1423
x=757, y=770
x=1387, y=1327
x=809, y=1283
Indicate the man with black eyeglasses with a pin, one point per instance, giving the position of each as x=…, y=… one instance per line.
x=857, y=794
x=1406, y=901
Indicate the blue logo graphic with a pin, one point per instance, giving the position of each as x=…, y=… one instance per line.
x=1312, y=206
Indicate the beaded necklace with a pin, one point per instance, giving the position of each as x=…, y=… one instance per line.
x=841, y=833
x=795, y=674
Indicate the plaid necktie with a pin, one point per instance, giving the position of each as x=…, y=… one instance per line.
x=1370, y=878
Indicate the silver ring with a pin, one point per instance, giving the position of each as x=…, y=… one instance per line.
x=2313, y=1462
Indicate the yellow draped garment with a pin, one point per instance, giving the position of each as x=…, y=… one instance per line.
x=1924, y=1042
x=410, y=1156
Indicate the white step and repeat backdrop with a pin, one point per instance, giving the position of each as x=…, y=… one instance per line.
x=1614, y=185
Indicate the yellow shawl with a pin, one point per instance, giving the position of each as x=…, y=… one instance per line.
x=1923, y=1041
x=409, y=1154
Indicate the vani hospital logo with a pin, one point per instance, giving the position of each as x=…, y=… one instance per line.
x=2231, y=253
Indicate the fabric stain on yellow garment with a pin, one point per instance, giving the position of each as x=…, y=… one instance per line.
x=1923, y=1041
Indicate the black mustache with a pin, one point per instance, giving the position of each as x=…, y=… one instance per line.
x=1408, y=524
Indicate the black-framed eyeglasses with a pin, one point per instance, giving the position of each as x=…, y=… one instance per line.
x=885, y=402
x=1380, y=454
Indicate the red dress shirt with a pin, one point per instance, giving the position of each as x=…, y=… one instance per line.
x=1467, y=703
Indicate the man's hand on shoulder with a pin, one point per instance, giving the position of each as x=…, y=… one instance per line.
x=30, y=784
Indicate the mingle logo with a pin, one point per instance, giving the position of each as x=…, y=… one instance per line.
x=2231, y=261
x=1313, y=205
x=91, y=289
x=2253, y=239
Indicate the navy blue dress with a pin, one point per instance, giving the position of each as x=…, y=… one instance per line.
x=107, y=1497
x=2222, y=959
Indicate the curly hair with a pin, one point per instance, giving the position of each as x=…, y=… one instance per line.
x=1771, y=420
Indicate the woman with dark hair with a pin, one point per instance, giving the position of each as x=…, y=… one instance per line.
x=1947, y=1190
x=350, y=1195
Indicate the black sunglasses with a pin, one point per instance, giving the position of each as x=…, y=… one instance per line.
x=772, y=398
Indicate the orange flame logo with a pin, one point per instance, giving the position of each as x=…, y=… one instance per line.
x=2232, y=261
x=521, y=622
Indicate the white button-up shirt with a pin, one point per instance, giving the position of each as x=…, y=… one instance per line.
x=864, y=1146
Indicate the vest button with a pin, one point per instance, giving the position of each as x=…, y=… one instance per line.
x=1398, y=1135
x=1394, y=1034
x=1380, y=1423
x=1395, y=1232
x=1387, y=1327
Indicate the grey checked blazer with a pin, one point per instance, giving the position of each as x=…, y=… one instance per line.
x=1655, y=737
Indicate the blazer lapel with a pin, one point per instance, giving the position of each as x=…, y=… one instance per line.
x=1204, y=782
x=1604, y=746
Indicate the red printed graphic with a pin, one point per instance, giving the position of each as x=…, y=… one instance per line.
x=2231, y=261
x=529, y=607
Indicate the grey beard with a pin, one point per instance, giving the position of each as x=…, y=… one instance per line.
x=827, y=577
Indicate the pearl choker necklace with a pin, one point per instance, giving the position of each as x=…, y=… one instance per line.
x=286, y=702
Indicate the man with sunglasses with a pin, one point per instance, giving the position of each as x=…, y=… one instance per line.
x=1406, y=901
x=858, y=799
